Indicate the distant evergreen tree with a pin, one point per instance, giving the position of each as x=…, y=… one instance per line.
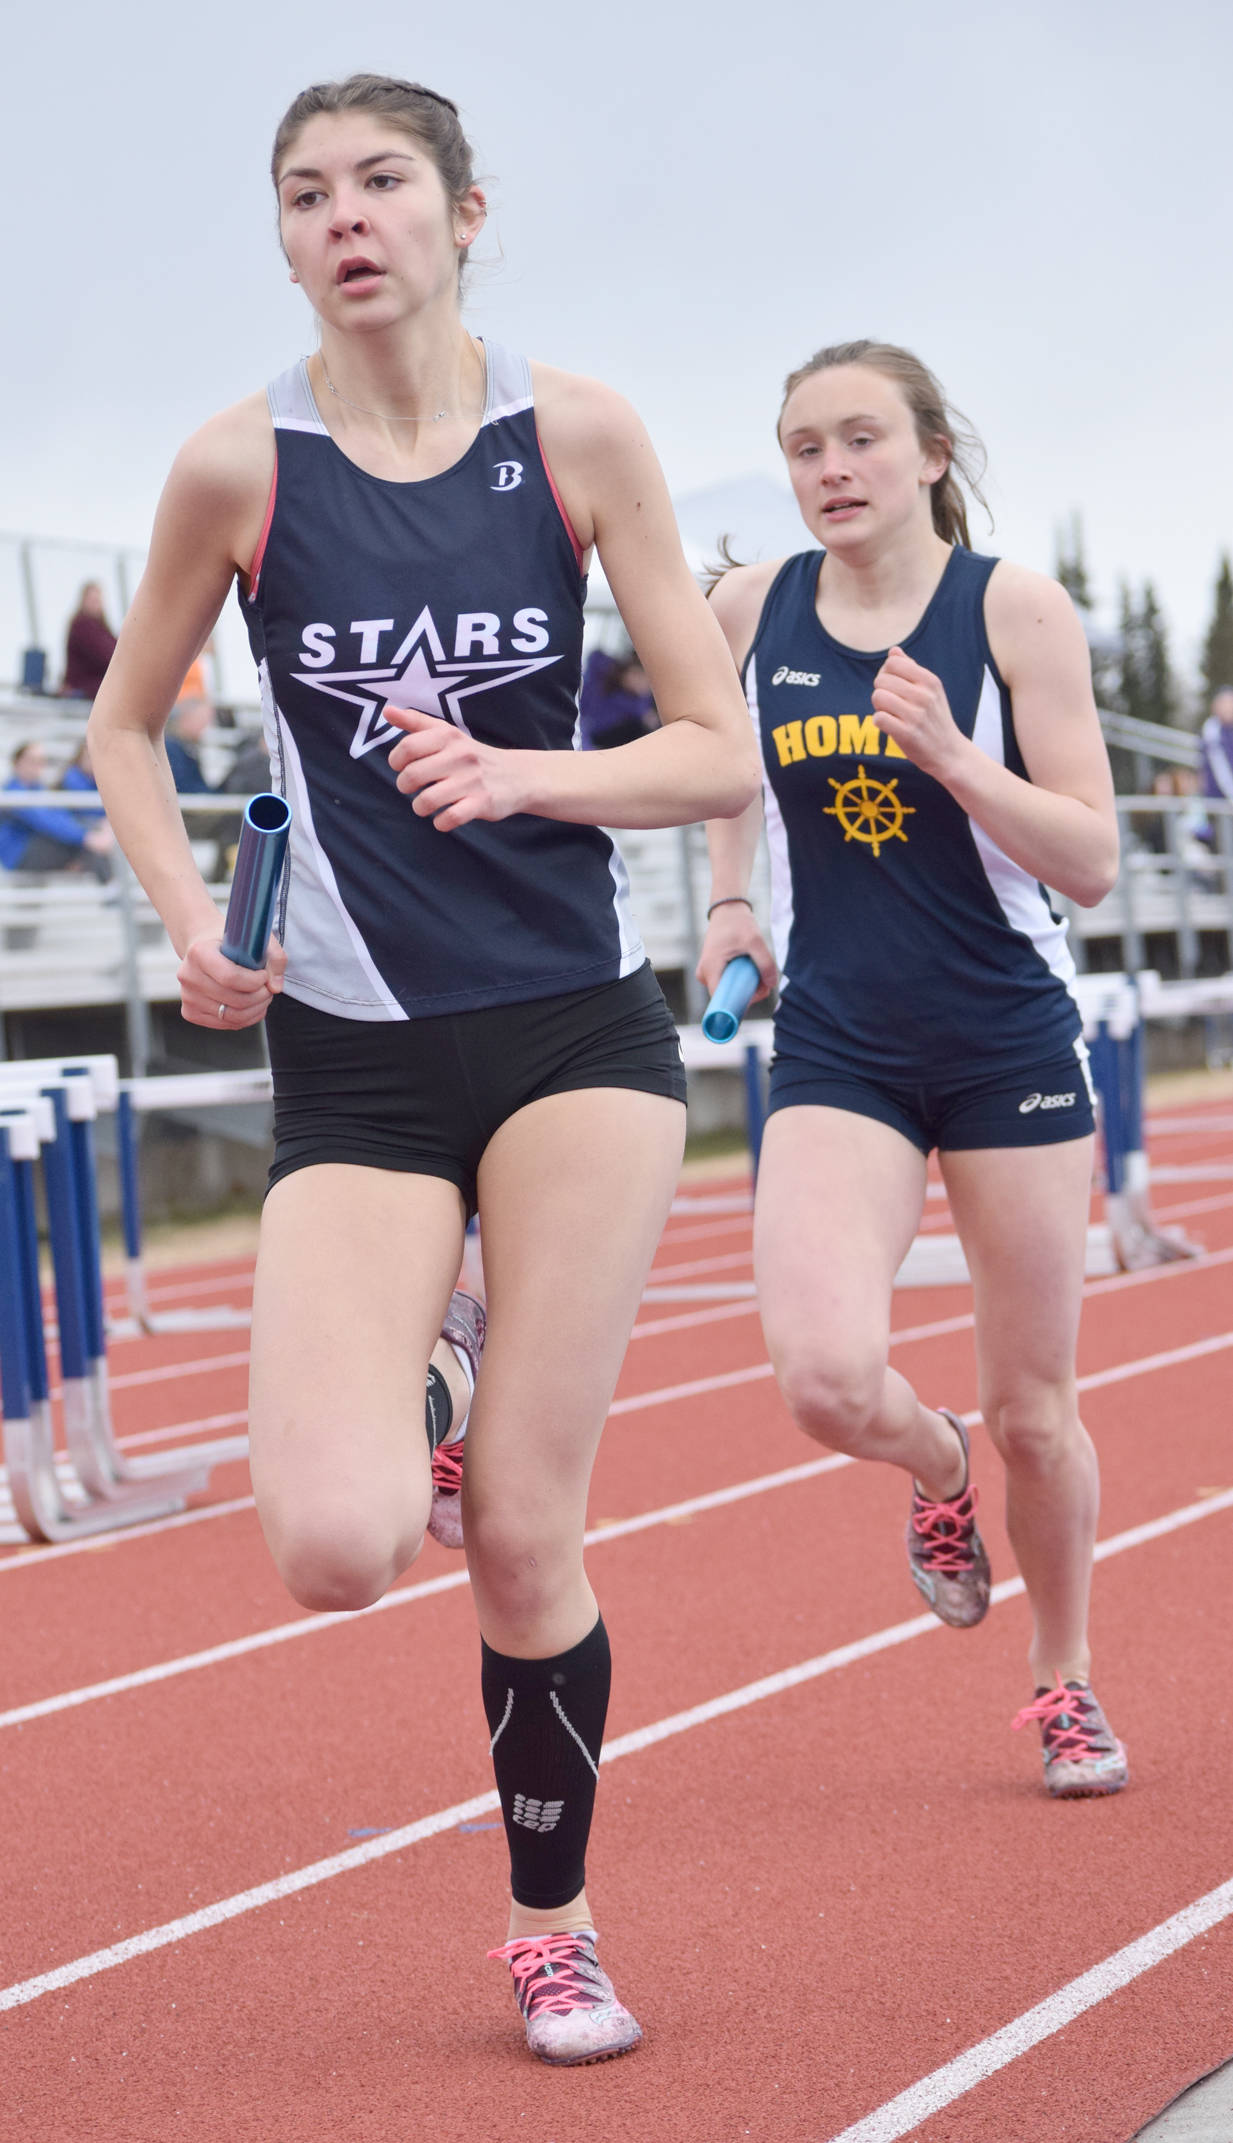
x=1143, y=676
x=1160, y=690
x=1217, y=666
x=1071, y=567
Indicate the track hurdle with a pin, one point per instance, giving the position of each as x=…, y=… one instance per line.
x=47, y=1112
x=141, y=1097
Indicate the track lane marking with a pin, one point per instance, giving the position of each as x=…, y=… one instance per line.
x=771, y=1685
x=404, y=1595
x=933, y=2093
x=618, y=1529
x=202, y=1365
x=759, y=1372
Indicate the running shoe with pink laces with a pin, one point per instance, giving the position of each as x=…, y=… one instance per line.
x=1082, y=1753
x=464, y=1326
x=567, y=2000
x=946, y=1554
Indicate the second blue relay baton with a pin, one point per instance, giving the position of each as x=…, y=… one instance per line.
x=731, y=999
x=258, y=868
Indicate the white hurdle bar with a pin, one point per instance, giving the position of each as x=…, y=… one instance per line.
x=141, y=1097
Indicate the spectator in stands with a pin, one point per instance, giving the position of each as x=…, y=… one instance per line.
x=41, y=837
x=191, y=716
x=616, y=704
x=1216, y=745
x=79, y=774
x=89, y=646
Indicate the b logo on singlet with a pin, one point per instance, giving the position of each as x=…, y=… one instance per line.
x=508, y=475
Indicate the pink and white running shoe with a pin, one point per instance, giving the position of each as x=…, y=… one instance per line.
x=464, y=1326
x=567, y=2000
x=946, y=1554
x=1082, y=1753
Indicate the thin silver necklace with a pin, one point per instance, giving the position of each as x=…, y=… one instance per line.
x=378, y=413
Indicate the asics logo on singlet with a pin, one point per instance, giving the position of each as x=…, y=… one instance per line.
x=1045, y=1101
x=784, y=676
x=508, y=475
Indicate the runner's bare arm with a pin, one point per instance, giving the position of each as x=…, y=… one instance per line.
x=736, y=601
x=1061, y=824
x=702, y=762
x=207, y=525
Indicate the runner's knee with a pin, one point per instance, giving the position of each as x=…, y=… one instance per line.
x=337, y=1561
x=520, y=1569
x=832, y=1399
x=1033, y=1428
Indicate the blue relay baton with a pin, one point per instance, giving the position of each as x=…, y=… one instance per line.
x=731, y=1000
x=258, y=868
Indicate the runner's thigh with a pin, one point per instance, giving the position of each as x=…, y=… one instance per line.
x=1022, y=1213
x=573, y=1191
x=838, y=1203
x=354, y=1272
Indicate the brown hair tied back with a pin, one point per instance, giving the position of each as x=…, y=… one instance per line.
x=429, y=118
x=936, y=424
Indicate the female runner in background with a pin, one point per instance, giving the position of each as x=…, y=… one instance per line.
x=463, y=1013
x=933, y=758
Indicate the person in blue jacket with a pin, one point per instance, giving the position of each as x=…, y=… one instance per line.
x=40, y=837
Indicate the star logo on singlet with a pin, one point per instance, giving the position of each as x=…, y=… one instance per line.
x=421, y=676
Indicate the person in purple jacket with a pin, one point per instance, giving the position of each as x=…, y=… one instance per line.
x=1216, y=745
x=90, y=645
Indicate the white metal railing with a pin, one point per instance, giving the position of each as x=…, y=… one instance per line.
x=68, y=941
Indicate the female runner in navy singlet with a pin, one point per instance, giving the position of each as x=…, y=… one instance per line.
x=933, y=759
x=460, y=1013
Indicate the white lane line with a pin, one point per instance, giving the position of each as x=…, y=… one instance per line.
x=1195, y=1206
x=729, y=1261
x=34, y=1558
x=196, y=1368
x=902, y=2114
x=1154, y=1273
x=403, y=1596
x=759, y=1372
x=698, y=1387
x=771, y=1685
x=183, y=1428
x=619, y=1529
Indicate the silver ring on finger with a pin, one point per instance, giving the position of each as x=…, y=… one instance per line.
x=222, y=1012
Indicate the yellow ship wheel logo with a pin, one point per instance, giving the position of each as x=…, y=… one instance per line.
x=869, y=811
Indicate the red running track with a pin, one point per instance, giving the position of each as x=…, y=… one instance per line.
x=253, y=1861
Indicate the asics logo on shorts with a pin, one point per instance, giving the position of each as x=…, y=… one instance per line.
x=784, y=676
x=1045, y=1101
x=508, y=475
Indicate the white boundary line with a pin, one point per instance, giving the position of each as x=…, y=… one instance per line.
x=201, y=1365
x=900, y=2115
x=759, y=1372
x=404, y=1595
x=771, y=1685
x=619, y=1529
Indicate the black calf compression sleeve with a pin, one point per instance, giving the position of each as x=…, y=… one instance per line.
x=547, y=1719
x=438, y=1408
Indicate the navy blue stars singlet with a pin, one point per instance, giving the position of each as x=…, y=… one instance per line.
x=460, y=595
x=908, y=943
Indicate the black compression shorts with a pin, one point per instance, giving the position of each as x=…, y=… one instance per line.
x=425, y=1096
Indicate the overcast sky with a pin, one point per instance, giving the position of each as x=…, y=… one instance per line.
x=686, y=201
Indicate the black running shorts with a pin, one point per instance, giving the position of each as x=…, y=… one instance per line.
x=425, y=1096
